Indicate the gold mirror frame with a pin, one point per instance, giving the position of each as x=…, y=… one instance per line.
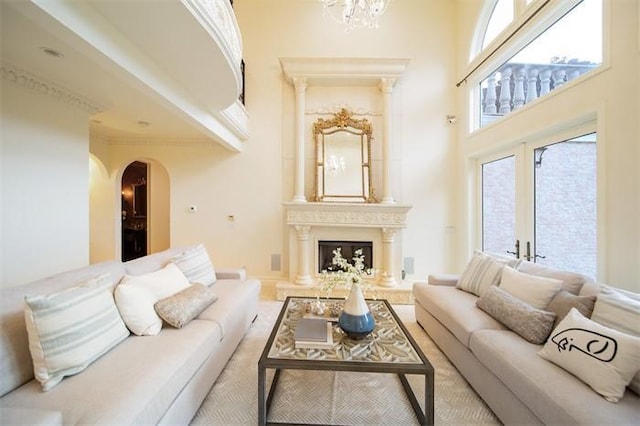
x=341, y=143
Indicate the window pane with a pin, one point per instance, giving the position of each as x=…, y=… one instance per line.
x=568, y=49
x=565, y=205
x=498, y=206
x=501, y=16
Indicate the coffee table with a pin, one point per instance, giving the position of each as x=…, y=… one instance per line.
x=388, y=349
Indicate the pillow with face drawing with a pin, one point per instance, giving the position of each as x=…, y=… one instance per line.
x=602, y=357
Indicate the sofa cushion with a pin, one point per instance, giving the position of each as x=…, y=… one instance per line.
x=226, y=312
x=534, y=290
x=196, y=265
x=135, y=384
x=602, y=357
x=16, y=365
x=619, y=310
x=562, y=303
x=70, y=329
x=482, y=272
x=571, y=281
x=135, y=304
x=182, y=307
x=532, y=324
x=163, y=283
x=448, y=303
x=554, y=395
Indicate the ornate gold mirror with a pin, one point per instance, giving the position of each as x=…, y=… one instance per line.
x=343, y=159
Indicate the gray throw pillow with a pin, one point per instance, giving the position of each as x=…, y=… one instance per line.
x=562, y=303
x=532, y=324
x=178, y=310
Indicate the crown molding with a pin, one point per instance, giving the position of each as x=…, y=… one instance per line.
x=38, y=84
x=159, y=141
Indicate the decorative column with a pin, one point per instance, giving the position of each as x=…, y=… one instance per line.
x=387, y=279
x=505, y=91
x=490, y=96
x=518, y=90
x=532, y=88
x=386, y=86
x=300, y=85
x=303, y=277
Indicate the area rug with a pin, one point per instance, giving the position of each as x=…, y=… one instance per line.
x=337, y=397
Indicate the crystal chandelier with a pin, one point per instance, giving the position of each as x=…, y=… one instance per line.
x=356, y=13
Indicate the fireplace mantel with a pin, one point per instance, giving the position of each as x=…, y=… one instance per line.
x=361, y=215
x=379, y=223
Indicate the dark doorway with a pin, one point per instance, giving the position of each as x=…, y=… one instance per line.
x=134, y=211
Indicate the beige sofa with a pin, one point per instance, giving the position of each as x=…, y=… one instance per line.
x=159, y=379
x=505, y=369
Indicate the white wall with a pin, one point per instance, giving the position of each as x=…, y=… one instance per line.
x=45, y=186
x=611, y=97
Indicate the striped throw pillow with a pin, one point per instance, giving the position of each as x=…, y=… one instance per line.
x=616, y=310
x=196, y=265
x=482, y=272
x=70, y=329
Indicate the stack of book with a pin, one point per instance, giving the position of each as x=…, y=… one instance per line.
x=313, y=333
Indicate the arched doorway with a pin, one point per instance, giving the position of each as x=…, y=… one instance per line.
x=134, y=202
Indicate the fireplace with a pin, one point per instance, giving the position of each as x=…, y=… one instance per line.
x=348, y=248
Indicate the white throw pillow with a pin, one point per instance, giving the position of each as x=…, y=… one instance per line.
x=602, y=357
x=536, y=291
x=482, y=272
x=70, y=329
x=162, y=283
x=135, y=303
x=617, y=310
x=196, y=265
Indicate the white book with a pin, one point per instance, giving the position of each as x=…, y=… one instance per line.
x=327, y=343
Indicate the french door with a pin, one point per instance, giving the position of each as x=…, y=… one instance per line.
x=538, y=203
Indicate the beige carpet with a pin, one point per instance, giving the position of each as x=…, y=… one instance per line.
x=336, y=398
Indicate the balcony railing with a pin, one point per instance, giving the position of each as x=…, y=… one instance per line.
x=516, y=84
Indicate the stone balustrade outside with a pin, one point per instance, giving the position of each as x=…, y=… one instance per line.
x=516, y=84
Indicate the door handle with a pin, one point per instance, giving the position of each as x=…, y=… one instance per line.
x=517, y=252
x=528, y=255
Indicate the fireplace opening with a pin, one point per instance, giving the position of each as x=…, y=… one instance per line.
x=326, y=248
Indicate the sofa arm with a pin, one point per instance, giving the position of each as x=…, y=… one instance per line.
x=231, y=274
x=443, y=279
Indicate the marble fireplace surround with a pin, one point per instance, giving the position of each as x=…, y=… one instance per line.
x=382, y=224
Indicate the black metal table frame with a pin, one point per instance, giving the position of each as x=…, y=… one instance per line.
x=401, y=369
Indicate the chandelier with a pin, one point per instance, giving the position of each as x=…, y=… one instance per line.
x=356, y=13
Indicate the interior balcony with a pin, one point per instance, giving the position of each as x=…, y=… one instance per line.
x=134, y=62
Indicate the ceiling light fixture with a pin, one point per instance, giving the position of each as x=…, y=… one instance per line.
x=355, y=13
x=52, y=52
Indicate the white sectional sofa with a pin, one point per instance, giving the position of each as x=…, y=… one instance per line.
x=505, y=369
x=159, y=379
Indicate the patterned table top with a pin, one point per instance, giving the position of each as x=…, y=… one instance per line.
x=389, y=342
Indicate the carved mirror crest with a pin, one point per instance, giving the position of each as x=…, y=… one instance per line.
x=343, y=159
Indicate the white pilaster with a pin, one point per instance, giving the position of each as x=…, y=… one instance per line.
x=302, y=233
x=387, y=278
x=386, y=87
x=300, y=85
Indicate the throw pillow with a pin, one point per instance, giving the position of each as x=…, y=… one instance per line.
x=162, y=283
x=536, y=291
x=617, y=310
x=602, y=357
x=196, y=265
x=534, y=325
x=482, y=272
x=135, y=303
x=178, y=310
x=562, y=303
x=70, y=329
x=571, y=281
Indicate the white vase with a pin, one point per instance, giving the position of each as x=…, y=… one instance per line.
x=356, y=319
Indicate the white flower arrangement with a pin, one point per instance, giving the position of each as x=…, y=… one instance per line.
x=348, y=273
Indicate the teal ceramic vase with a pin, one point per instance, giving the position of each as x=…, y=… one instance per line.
x=356, y=320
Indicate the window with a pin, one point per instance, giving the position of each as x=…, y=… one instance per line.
x=501, y=16
x=566, y=50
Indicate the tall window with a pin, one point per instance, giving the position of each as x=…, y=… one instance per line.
x=501, y=16
x=569, y=48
